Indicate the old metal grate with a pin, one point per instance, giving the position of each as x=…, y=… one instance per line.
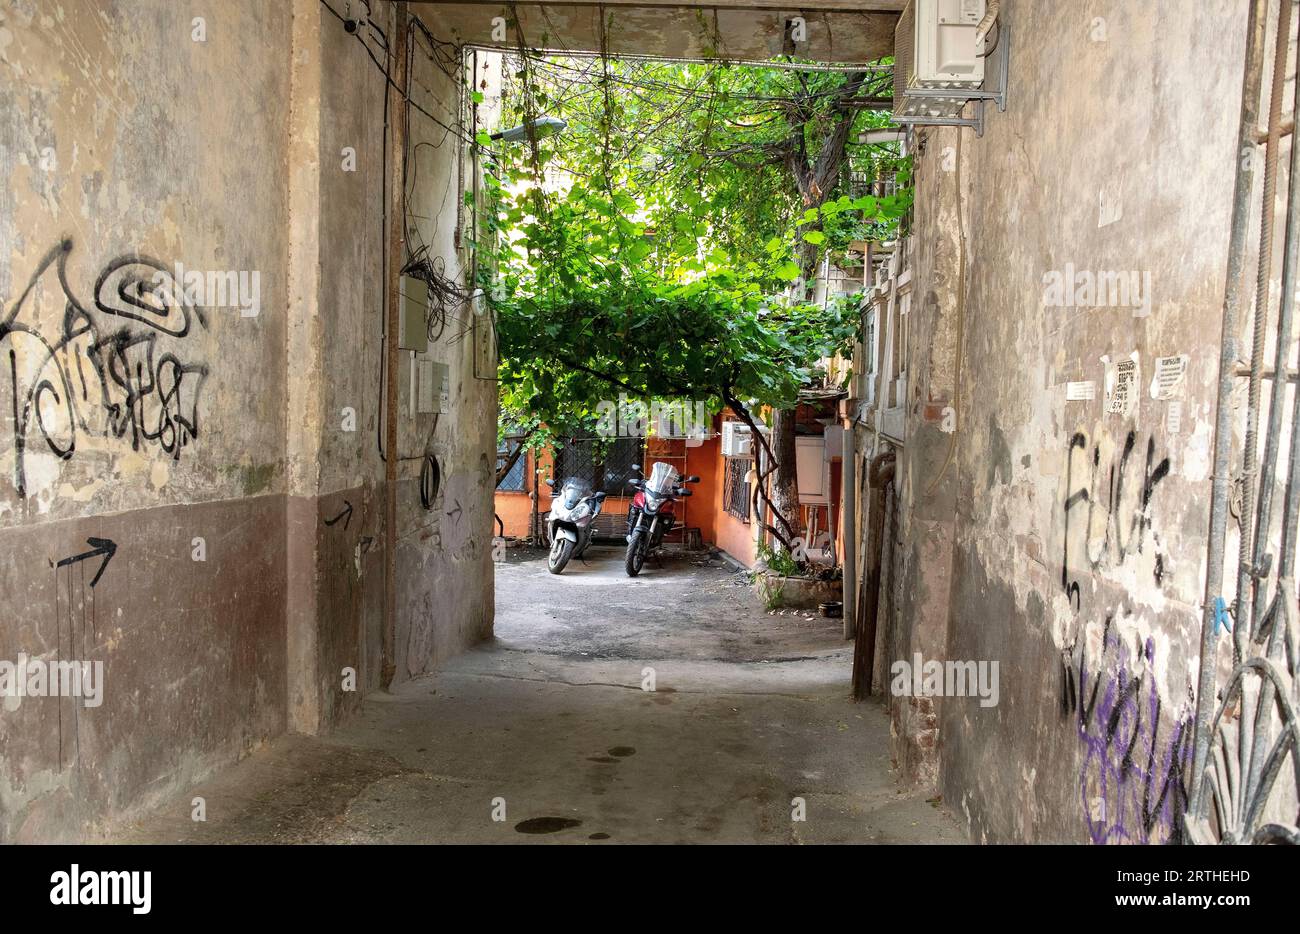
x=605, y=465
x=735, y=488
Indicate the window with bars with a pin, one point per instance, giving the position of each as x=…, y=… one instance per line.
x=605, y=467
x=515, y=481
x=735, y=488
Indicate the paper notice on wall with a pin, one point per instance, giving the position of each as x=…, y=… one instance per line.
x=1167, y=383
x=1080, y=391
x=1121, y=385
x=1174, y=417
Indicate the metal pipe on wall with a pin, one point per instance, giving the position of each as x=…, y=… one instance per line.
x=1221, y=485
x=1249, y=465
x=849, y=528
x=396, y=246
x=1277, y=399
x=1253, y=753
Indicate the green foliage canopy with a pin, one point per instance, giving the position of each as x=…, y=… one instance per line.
x=656, y=246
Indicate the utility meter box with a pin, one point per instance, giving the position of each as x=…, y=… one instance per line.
x=413, y=315
x=433, y=387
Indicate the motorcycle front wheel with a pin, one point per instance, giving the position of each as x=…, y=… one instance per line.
x=635, y=554
x=561, y=551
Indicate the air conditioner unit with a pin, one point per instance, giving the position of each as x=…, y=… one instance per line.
x=938, y=59
x=737, y=440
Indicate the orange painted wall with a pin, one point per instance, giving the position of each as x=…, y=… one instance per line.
x=515, y=509
x=734, y=537
x=703, y=462
x=730, y=534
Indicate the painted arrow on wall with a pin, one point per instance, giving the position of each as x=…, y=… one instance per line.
x=105, y=547
x=345, y=515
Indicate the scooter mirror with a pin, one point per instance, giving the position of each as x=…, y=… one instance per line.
x=692, y=479
x=550, y=482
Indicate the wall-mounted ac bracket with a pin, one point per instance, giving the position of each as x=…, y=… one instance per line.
x=962, y=95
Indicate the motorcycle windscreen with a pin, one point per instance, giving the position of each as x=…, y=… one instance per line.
x=662, y=478
x=574, y=490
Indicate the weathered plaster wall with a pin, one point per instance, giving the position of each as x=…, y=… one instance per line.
x=211, y=448
x=117, y=148
x=444, y=573
x=335, y=507
x=444, y=553
x=925, y=474
x=1077, y=552
x=128, y=417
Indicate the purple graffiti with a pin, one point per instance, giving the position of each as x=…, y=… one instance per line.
x=1132, y=783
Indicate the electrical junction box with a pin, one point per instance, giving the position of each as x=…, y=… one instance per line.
x=433, y=387
x=413, y=315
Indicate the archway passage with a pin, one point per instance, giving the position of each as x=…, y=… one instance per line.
x=683, y=704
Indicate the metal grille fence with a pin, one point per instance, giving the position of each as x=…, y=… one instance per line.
x=606, y=465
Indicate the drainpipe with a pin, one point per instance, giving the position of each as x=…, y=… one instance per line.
x=395, y=246
x=879, y=475
x=849, y=528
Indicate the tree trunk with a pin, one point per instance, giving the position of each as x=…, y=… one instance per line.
x=785, y=482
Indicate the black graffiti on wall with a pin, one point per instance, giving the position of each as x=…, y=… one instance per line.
x=1117, y=495
x=113, y=370
x=1133, y=782
x=345, y=516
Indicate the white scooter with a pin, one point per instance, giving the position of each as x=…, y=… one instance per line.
x=569, y=523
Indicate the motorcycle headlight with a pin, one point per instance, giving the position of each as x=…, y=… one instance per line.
x=579, y=512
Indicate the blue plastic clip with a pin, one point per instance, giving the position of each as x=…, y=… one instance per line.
x=1221, y=617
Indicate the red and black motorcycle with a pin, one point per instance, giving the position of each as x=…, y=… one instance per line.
x=651, y=515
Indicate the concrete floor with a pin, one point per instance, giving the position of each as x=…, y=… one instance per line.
x=549, y=723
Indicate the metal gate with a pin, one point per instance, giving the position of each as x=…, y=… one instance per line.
x=1246, y=763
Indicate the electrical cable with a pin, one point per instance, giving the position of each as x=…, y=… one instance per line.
x=442, y=290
